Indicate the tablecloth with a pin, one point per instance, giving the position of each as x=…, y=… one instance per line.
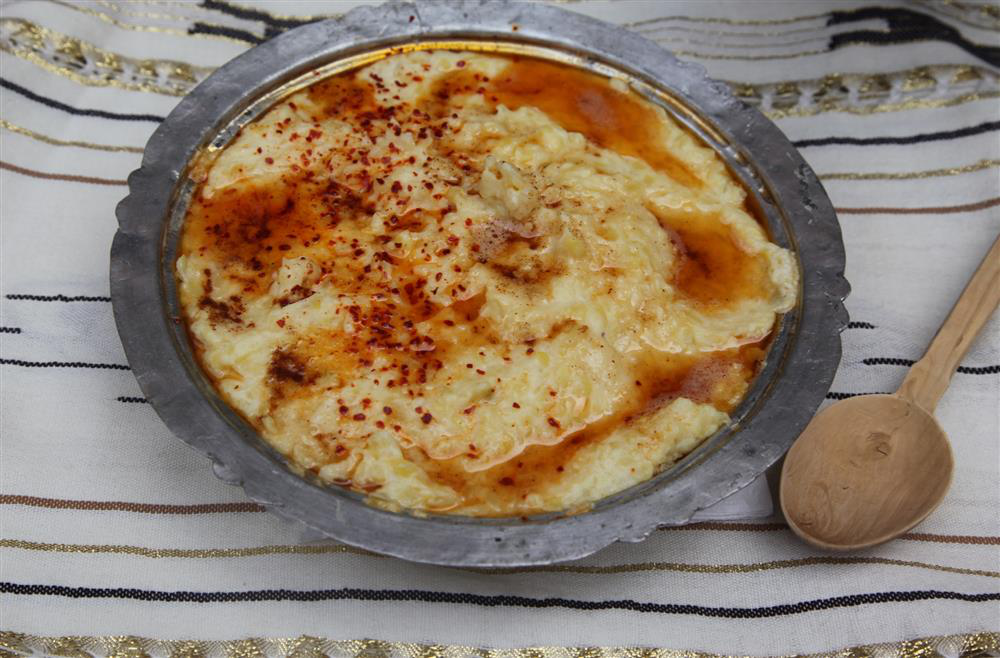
x=118, y=540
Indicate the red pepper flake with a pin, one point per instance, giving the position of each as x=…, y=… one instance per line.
x=379, y=424
x=507, y=481
x=387, y=411
x=281, y=322
x=481, y=372
x=426, y=418
x=460, y=63
x=362, y=417
x=553, y=422
x=469, y=410
x=269, y=160
x=343, y=410
x=516, y=405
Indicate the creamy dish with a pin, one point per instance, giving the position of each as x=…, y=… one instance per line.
x=472, y=284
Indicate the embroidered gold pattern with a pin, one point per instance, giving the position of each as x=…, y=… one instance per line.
x=967, y=646
x=20, y=130
x=89, y=65
x=125, y=646
x=918, y=88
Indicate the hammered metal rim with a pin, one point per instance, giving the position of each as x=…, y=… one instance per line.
x=775, y=412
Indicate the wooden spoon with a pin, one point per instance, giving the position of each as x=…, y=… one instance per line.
x=869, y=468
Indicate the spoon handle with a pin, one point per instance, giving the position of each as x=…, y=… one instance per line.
x=929, y=377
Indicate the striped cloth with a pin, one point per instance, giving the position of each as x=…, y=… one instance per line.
x=118, y=540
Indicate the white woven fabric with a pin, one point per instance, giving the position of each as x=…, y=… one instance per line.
x=72, y=432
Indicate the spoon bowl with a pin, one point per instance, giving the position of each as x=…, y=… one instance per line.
x=869, y=468
x=865, y=470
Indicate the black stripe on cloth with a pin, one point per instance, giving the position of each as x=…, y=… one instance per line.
x=10, y=330
x=132, y=400
x=27, y=93
x=860, y=325
x=989, y=126
x=62, y=364
x=905, y=26
x=57, y=298
x=968, y=370
x=249, y=14
x=219, y=30
x=492, y=601
x=833, y=395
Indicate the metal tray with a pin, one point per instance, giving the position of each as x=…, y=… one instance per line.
x=800, y=366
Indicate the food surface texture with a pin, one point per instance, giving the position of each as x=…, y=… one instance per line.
x=476, y=284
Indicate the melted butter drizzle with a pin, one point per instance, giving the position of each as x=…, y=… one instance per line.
x=719, y=379
x=579, y=101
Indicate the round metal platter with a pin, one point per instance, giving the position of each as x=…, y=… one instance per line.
x=803, y=356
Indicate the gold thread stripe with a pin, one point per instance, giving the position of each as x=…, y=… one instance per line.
x=20, y=130
x=912, y=104
x=64, y=177
x=910, y=175
x=773, y=527
x=729, y=21
x=751, y=58
x=117, y=23
x=119, y=506
x=141, y=551
x=257, y=551
x=107, y=18
x=142, y=14
x=220, y=508
x=928, y=210
x=651, y=29
x=748, y=46
x=966, y=645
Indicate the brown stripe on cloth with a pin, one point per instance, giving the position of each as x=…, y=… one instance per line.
x=930, y=210
x=66, y=177
x=119, y=506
